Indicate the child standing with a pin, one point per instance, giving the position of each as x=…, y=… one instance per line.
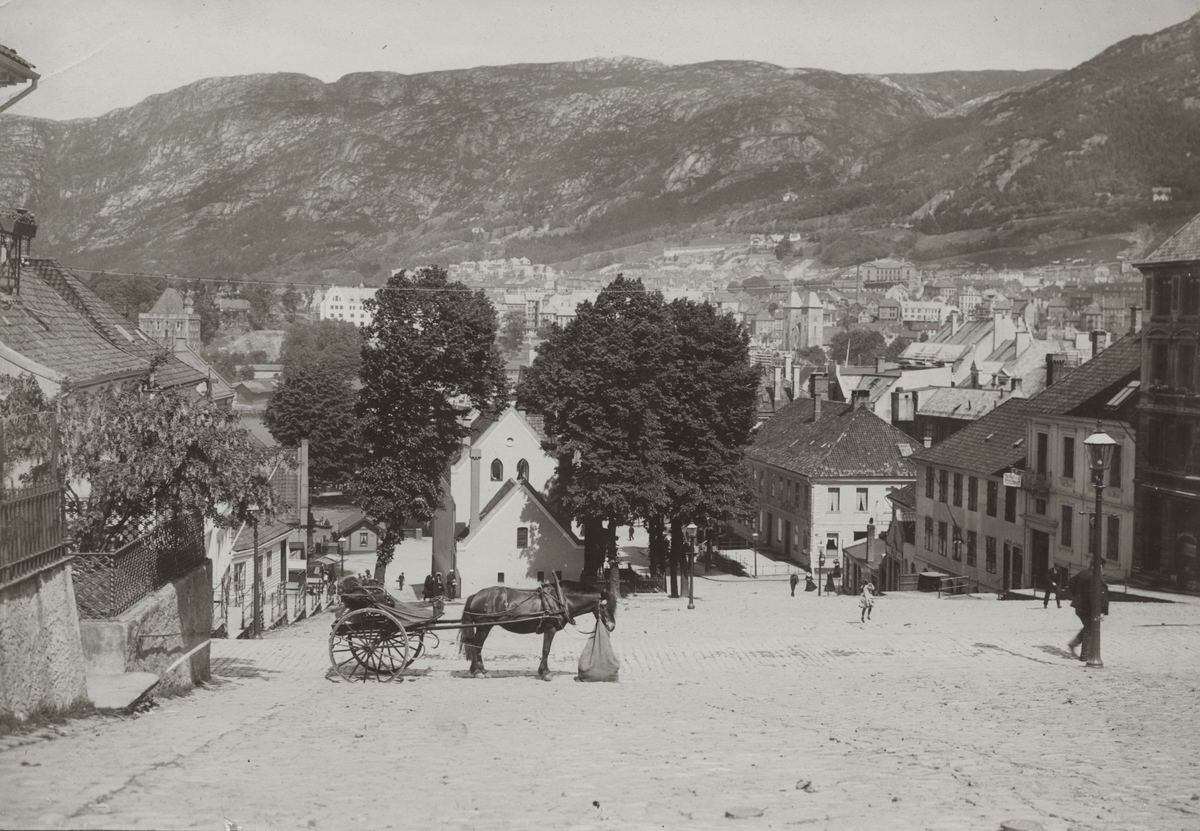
x=866, y=601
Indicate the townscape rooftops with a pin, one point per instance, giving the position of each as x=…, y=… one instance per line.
x=905, y=497
x=844, y=442
x=1182, y=246
x=990, y=445
x=957, y=402
x=63, y=325
x=1087, y=389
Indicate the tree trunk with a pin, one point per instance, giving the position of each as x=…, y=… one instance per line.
x=593, y=548
x=674, y=554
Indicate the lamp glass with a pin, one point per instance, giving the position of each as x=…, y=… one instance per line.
x=690, y=530
x=1099, y=446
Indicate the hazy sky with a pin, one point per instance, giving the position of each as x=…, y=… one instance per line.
x=96, y=55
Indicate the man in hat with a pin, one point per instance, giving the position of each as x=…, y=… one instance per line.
x=1081, y=600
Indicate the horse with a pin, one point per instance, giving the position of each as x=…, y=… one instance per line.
x=529, y=611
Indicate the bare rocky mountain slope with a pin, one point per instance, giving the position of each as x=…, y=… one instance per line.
x=284, y=175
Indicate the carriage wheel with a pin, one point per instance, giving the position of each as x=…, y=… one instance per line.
x=370, y=642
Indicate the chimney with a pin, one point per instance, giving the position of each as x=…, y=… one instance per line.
x=795, y=382
x=880, y=364
x=955, y=322
x=1023, y=338
x=1135, y=319
x=974, y=376
x=860, y=399
x=1052, y=365
x=1096, y=335
x=870, y=539
x=1016, y=388
x=476, y=462
x=817, y=384
x=787, y=368
x=777, y=390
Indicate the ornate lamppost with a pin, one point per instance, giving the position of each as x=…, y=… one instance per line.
x=1099, y=446
x=690, y=533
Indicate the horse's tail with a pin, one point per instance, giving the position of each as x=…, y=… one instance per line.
x=467, y=632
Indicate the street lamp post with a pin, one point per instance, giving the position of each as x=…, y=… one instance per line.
x=256, y=603
x=690, y=531
x=754, y=535
x=337, y=537
x=1099, y=446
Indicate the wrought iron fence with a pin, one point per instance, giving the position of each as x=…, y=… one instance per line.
x=31, y=517
x=106, y=584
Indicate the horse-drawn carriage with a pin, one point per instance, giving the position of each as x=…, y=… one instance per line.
x=379, y=637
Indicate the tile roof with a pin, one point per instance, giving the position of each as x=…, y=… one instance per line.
x=60, y=323
x=1182, y=246
x=170, y=302
x=1085, y=390
x=843, y=442
x=989, y=445
x=957, y=402
x=905, y=497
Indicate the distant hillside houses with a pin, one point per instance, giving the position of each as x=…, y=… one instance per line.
x=347, y=303
x=513, y=268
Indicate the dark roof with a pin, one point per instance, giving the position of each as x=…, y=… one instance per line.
x=60, y=323
x=989, y=445
x=1182, y=246
x=905, y=497
x=843, y=442
x=1087, y=389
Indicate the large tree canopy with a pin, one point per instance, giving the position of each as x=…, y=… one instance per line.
x=865, y=346
x=430, y=351
x=317, y=403
x=648, y=407
x=129, y=454
x=335, y=343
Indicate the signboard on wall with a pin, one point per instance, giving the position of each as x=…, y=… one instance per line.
x=1012, y=480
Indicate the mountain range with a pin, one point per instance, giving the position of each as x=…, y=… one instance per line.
x=284, y=176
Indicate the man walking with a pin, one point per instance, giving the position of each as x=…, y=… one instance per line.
x=1052, y=586
x=795, y=581
x=1081, y=600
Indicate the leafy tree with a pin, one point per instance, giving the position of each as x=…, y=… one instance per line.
x=262, y=301
x=708, y=410
x=596, y=383
x=336, y=343
x=512, y=331
x=430, y=350
x=317, y=403
x=210, y=315
x=291, y=300
x=130, y=454
x=812, y=356
x=865, y=346
x=784, y=249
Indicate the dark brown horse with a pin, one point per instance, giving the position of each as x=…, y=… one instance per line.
x=528, y=611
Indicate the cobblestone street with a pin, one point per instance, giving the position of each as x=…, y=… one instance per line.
x=950, y=713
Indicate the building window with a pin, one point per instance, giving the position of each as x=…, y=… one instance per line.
x=523, y=470
x=1010, y=504
x=831, y=543
x=1043, y=445
x=268, y=564
x=1066, y=526
x=958, y=479
x=1114, y=466
x=522, y=537
x=541, y=577
x=1068, y=457
x=835, y=499
x=957, y=544
x=943, y=485
x=1162, y=295
x=860, y=499
x=499, y=576
x=942, y=538
x=497, y=470
x=989, y=554
x=1159, y=363
x=972, y=545
x=993, y=492
x=362, y=539
x=929, y=483
x=796, y=494
x=928, y=533
x=972, y=494
x=1189, y=291
x=1185, y=364
x=1112, y=541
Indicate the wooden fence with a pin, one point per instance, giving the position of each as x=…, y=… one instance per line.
x=32, y=532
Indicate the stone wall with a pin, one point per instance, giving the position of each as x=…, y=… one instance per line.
x=41, y=661
x=155, y=633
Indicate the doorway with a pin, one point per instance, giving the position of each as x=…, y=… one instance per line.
x=1040, y=553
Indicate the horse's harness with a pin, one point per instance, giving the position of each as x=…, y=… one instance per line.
x=554, y=607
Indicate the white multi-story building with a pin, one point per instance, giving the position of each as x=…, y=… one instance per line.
x=346, y=303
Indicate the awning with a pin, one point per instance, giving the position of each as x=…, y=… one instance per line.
x=328, y=559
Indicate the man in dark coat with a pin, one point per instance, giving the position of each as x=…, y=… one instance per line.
x=795, y=581
x=1081, y=600
x=429, y=591
x=451, y=585
x=1052, y=579
x=439, y=585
